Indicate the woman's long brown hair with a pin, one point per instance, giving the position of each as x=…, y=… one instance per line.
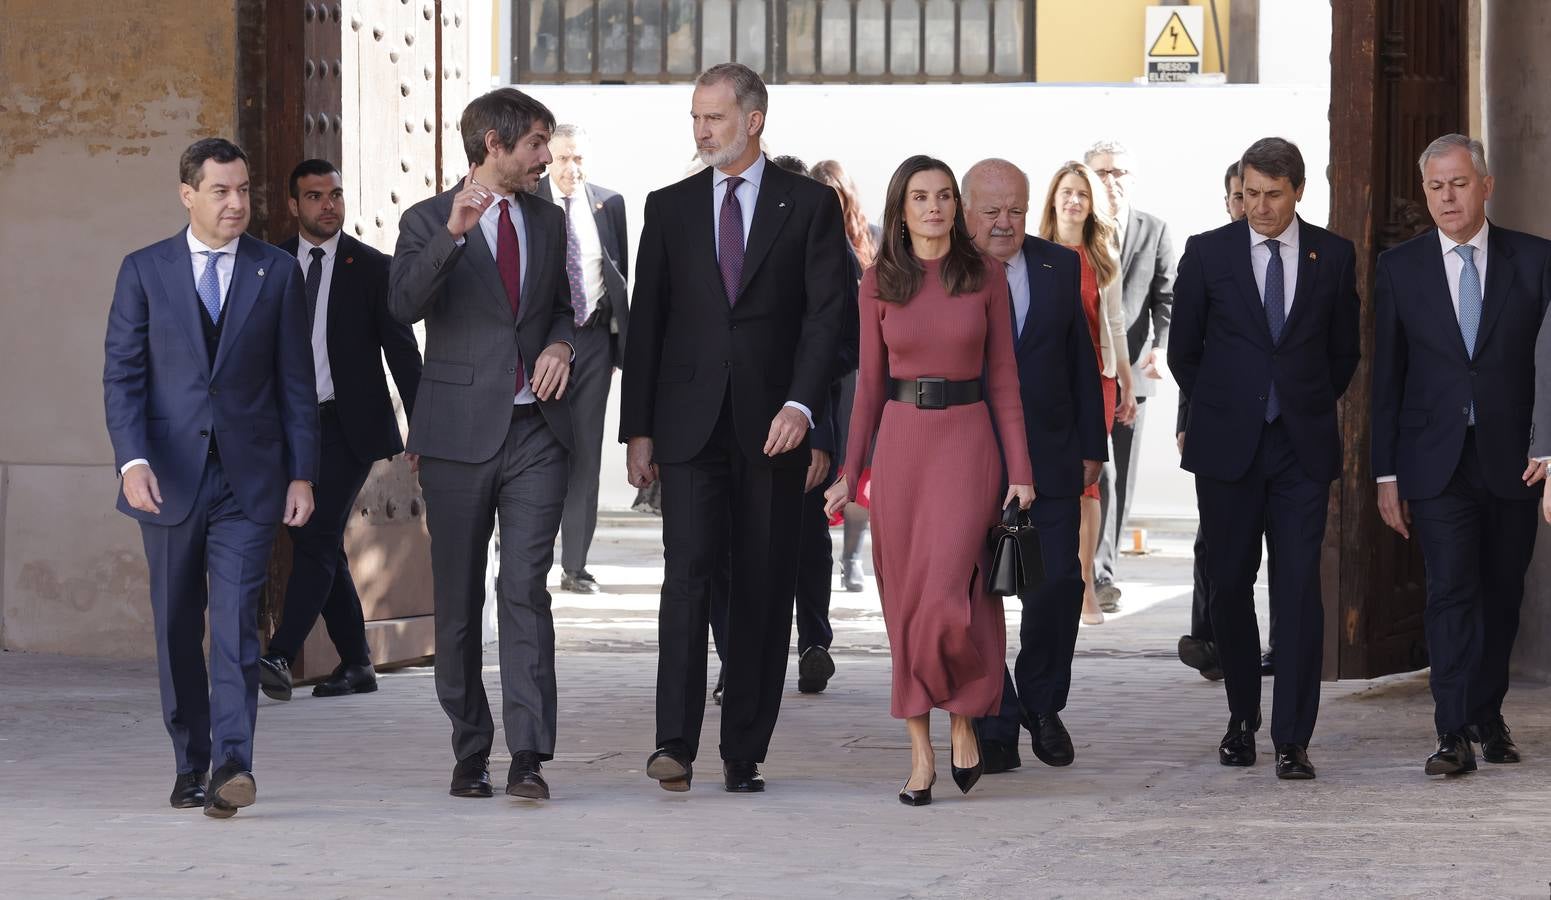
x=1098, y=232
x=899, y=272
x=827, y=171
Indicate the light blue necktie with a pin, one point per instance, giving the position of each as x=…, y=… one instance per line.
x=210, y=287
x=1469, y=305
x=1276, y=315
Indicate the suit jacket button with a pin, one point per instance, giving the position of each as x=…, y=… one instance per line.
x=1262, y=396
x=214, y=391
x=203, y=433
x=512, y=370
x=725, y=364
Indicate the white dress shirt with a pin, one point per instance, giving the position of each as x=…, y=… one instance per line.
x=1018, y=288
x=225, y=264
x=1453, y=266
x=748, y=195
x=320, y=337
x=489, y=223
x=1260, y=260
x=588, y=242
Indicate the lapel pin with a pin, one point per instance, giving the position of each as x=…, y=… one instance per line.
x=781, y=205
x=597, y=206
x=261, y=273
x=1047, y=265
x=349, y=260
x=1313, y=255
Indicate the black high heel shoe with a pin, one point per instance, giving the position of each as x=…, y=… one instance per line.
x=917, y=798
x=966, y=778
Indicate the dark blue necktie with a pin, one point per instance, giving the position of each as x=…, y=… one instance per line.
x=1276, y=315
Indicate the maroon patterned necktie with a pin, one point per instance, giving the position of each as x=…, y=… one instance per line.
x=508, y=261
x=573, y=268
x=729, y=241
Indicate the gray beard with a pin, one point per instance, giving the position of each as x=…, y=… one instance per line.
x=727, y=154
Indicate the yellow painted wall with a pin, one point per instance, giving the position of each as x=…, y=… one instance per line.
x=1101, y=40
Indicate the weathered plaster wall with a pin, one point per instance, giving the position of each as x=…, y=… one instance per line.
x=96, y=102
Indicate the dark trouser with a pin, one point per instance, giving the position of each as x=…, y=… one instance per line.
x=320, y=572
x=815, y=568
x=1048, y=634
x=1200, y=613
x=1117, y=487
x=730, y=526
x=1275, y=498
x=588, y=393
x=523, y=486
x=1476, y=547
x=210, y=720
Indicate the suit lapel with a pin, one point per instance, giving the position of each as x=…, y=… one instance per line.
x=176, y=269
x=538, y=245
x=1244, y=275
x=248, y=276
x=700, y=230
x=1308, y=271
x=770, y=212
x=601, y=219
x=484, y=264
x=1133, y=241
x=342, y=284
x=1038, y=279
x=1499, y=280
x=1436, y=277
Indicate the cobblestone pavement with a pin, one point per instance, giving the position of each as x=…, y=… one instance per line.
x=352, y=791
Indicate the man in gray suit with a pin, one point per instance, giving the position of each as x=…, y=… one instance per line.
x=597, y=256
x=483, y=265
x=1147, y=284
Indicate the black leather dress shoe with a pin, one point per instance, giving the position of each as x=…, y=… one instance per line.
x=922, y=797
x=1200, y=655
x=347, y=679
x=1267, y=664
x=1496, y=743
x=579, y=582
x=721, y=687
x=742, y=777
x=671, y=769
x=1000, y=757
x=188, y=790
x=814, y=669
x=523, y=779
x=275, y=676
x=231, y=788
x=1052, y=743
x=1238, y=745
x=471, y=777
x=1292, y=763
x=1454, y=755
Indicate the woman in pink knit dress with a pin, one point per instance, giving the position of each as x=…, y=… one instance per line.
x=934, y=317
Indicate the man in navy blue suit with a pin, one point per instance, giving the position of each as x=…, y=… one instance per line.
x=1458, y=311
x=211, y=408
x=1063, y=414
x=1265, y=339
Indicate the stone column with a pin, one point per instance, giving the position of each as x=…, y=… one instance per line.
x=1516, y=112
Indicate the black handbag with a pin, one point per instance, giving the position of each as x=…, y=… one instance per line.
x=1016, y=564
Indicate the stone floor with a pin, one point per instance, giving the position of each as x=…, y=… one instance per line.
x=352, y=791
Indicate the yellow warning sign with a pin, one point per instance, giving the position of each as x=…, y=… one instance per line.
x=1174, y=40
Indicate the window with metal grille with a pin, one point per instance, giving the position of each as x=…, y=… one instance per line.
x=786, y=41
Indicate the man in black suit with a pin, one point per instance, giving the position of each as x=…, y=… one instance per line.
x=739, y=298
x=1265, y=341
x=1458, y=311
x=1197, y=649
x=1147, y=293
x=483, y=264
x=1063, y=413
x=597, y=257
x=346, y=286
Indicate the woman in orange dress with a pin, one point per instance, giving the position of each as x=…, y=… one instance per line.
x=1070, y=218
x=933, y=319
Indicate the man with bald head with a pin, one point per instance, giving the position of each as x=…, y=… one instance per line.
x=1063, y=413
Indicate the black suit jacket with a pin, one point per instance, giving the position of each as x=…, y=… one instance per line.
x=1063, y=403
x=1222, y=354
x=779, y=342
x=1424, y=381
x=361, y=332
x=608, y=212
x=827, y=432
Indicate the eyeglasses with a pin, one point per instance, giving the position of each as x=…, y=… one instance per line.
x=1116, y=174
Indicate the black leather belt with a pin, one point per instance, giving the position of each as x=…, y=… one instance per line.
x=934, y=393
x=326, y=407
x=521, y=410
